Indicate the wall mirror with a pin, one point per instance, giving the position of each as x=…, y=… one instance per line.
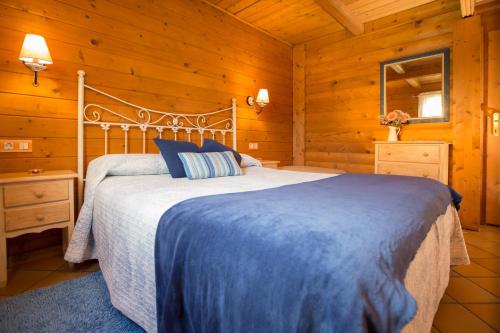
x=418, y=85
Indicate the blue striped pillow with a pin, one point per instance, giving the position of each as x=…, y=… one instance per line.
x=222, y=164
x=210, y=165
x=194, y=165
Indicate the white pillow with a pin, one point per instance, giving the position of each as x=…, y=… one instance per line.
x=135, y=164
x=249, y=161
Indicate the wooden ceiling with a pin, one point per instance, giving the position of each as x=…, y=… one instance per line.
x=298, y=21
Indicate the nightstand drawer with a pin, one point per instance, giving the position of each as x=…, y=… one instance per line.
x=409, y=169
x=409, y=153
x=35, y=193
x=39, y=215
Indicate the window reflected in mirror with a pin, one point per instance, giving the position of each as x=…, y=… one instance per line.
x=430, y=104
x=418, y=86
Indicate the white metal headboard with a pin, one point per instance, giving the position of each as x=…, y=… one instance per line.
x=147, y=119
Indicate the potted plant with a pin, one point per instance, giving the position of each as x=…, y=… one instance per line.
x=395, y=120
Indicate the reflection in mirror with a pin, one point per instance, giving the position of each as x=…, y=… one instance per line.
x=417, y=85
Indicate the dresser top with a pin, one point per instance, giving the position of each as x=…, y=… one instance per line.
x=16, y=177
x=412, y=142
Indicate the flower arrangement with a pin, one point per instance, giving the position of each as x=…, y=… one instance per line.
x=396, y=118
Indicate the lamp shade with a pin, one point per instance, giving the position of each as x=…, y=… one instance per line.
x=35, y=50
x=262, y=97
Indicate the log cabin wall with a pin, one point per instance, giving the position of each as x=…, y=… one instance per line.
x=342, y=93
x=177, y=55
x=343, y=85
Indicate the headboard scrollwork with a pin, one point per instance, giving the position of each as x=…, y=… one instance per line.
x=221, y=122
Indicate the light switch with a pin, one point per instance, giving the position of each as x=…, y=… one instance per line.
x=253, y=145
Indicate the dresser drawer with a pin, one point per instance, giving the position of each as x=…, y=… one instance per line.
x=409, y=153
x=35, y=193
x=409, y=169
x=33, y=216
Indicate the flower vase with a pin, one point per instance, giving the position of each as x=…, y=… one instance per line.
x=393, y=133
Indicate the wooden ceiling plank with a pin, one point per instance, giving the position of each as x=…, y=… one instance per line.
x=314, y=34
x=371, y=13
x=363, y=5
x=342, y=14
x=284, y=16
x=241, y=6
x=225, y=4
x=259, y=9
x=243, y=21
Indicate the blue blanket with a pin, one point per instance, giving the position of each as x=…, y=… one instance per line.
x=322, y=256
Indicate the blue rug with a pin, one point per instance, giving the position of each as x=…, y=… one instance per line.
x=79, y=305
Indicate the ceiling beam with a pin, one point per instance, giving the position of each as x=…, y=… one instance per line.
x=343, y=15
x=467, y=7
x=398, y=68
x=413, y=82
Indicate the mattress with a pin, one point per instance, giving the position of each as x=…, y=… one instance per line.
x=127, y=209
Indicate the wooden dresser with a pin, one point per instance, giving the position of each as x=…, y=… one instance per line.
x=427, y=159
x=34, y=203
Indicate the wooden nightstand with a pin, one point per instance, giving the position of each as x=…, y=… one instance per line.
x=34, y=203
x=270, y=164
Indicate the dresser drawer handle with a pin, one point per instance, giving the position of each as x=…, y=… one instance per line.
x=389, y=154
x=40, y=218
x=426, y=154
x=39, y=195
x=425, y=175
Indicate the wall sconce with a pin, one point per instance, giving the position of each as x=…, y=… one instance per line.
x=261, y=100
x=35, y=54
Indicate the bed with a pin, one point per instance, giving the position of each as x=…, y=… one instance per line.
x=119, y=219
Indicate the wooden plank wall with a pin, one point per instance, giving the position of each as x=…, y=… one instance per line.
x=342, y=85
x=177, y=55
x=180, y=56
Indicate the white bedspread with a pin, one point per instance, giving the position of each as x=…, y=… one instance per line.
x=118, y=222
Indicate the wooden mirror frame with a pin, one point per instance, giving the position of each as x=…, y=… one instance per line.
x=446, y=85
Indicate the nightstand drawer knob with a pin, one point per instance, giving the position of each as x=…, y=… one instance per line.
x=426, y=154
x=425, y=175
x=39, y=195
x=387, y=172
x=40, y=218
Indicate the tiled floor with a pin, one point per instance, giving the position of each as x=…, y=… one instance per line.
x=471, y=302
x=42, y=269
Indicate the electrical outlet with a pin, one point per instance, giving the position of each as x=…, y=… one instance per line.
x=253, y=145
x=15, y=146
